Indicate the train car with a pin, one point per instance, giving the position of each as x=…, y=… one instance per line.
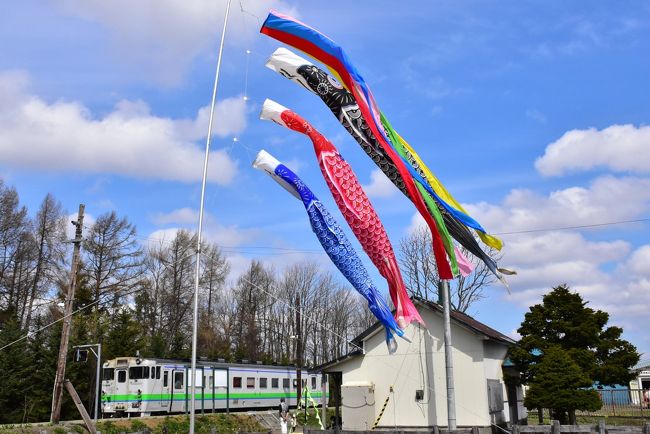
x=134, y=386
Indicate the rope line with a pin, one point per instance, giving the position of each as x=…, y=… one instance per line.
x=381, y=413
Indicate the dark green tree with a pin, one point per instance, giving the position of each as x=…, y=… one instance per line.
x=562, y=386
x=15, y=366
x=563, y=321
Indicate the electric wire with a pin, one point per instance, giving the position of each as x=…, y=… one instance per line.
x=561, y=228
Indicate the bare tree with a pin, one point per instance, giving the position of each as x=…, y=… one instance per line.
x=112, y=255
x=49, y=239
x=421, y=274
x=251, y=301
x=13, y=225
x=213, y=276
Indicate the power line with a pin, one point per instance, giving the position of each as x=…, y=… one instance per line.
x=561, y=228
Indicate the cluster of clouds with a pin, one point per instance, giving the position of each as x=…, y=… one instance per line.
x=545, y=237
x=236, y=242
x=160, y=39
x=129, y=140
x=610, y=264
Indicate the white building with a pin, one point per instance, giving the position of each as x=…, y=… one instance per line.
x=640, y=386
x=413, y=380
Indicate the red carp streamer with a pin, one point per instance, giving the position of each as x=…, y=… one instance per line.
x=355, y=207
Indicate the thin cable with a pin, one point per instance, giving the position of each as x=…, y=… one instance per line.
x=594, y=225
x=248, y=55
x=50, y=324
x=126, y=294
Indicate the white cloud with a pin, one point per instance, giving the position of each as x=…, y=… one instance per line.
x=606, y=199
x=180, y=216
x=536, y=115
x=612, y=275
x=618, y=148
x=130, y=141
x=213, y=231
x=159, y=39
x=639, y=262
x=547, y=247
x=380, y=185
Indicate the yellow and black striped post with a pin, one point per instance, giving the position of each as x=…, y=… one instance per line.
x=381, y=413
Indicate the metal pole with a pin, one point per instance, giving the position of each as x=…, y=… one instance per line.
x=57, y=393
x=449, y=362
x=200, y=229
x=99, y=379
x=298, y=353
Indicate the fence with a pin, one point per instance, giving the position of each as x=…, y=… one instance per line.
x=622, y=402
x=553, y=428
x=601, y=428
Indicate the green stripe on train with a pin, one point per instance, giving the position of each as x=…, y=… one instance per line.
x=206, y=396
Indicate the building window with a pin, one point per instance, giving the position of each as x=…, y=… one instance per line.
x=275, y=383
x=263, y=383
x=236, y=382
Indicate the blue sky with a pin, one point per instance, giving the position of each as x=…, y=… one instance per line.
x=534, y=114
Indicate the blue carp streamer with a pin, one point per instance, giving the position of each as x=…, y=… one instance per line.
x=333, y=240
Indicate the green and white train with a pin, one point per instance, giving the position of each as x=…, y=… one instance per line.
x=134, y=386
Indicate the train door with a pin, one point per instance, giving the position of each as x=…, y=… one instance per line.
x=166, y=391
x=220, y=388
x=178, y=397
x=121, y=389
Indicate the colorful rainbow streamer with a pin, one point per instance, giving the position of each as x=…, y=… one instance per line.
x=345, y=109
x=303, y=37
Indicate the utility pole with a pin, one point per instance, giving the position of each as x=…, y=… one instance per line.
x=298, y=351
x=57, y=395
x=449, y=360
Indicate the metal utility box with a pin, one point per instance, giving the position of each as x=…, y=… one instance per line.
x=358, y=402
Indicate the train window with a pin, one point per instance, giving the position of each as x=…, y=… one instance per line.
x=323, y=379
x=157, y=372
x=109, y=373
x=165, y=378
x=285, y=383
x=263, y=383
x=250, y=382
x=295, y=383
x=153, y=373
x=236, y=382
x=178, y=380
x=275, y=383
x=313, y=382
x=121, y=376
x=138, y=372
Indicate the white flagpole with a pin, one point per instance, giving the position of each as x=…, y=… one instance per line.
x=198, y=235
